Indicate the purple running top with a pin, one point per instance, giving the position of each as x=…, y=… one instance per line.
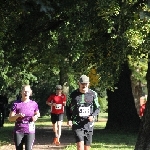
x=25, y=124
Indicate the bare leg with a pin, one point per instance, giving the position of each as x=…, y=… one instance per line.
x=55, y=129
x=86, y=147
x=59, y=124
x=80, y=145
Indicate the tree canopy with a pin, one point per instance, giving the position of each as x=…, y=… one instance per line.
x=39, y=38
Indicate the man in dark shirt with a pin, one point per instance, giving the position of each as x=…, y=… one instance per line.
x=81, y=109
x=3, y=106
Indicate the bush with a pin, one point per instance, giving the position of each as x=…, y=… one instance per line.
x=103, y=104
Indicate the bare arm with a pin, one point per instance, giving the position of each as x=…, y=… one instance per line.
x=36, y=116
x=37, y=113
x=13, y=116
x=64, y=103
x=50, y=103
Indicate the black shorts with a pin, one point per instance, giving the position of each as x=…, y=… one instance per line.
x=83, y=135
x=56, y=117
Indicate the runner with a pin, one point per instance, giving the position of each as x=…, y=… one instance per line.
x=24, y=112
x=57, y=102
x=81, y=109
x=3, y=108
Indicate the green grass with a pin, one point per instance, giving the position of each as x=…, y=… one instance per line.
x=114, y=141
x=102, y=139
x=105, y=139
x=6, y=134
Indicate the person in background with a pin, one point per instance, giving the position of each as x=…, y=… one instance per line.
x=24, y=112
x=81, y=109
x=3, y=108
x=57, y=102
x=142, y=106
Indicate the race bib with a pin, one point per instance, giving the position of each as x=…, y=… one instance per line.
x=58, y=106
x=31, y=126
x=84, y=111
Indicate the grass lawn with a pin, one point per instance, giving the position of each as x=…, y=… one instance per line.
x=102, y=139
x=105, y=140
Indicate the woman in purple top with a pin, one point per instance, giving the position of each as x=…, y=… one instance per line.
x=24, y=112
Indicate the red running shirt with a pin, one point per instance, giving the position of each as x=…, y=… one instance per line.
x=59, y=103
x=142, y=108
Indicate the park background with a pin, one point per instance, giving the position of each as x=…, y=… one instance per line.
x=44, y=43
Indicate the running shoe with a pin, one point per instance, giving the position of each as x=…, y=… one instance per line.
x=57, y=143
x=55, y=140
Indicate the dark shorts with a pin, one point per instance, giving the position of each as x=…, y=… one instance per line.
x=56, y=117
x=83, y=135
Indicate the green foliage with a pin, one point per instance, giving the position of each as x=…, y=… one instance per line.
x=41, y=39
x=139, y=67
x=103, y=104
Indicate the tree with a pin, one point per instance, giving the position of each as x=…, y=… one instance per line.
x=143, y=136
x=138, y=78
x=121, y=109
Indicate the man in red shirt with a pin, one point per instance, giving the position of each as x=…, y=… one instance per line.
x=57, y=102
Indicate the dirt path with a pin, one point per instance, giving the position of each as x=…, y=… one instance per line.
x=44, y=137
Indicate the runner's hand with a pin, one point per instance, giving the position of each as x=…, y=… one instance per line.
x=34, y=118
x=21, y=115
x=69, y=123
x=51, y=104
x=91, y=118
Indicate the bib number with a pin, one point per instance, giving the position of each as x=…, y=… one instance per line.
x=58, y=106
x=31, y=126
x=84, y=111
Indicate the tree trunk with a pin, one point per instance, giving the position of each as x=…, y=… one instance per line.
x=122, y=113
x=143, y=139
x=63, y=77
